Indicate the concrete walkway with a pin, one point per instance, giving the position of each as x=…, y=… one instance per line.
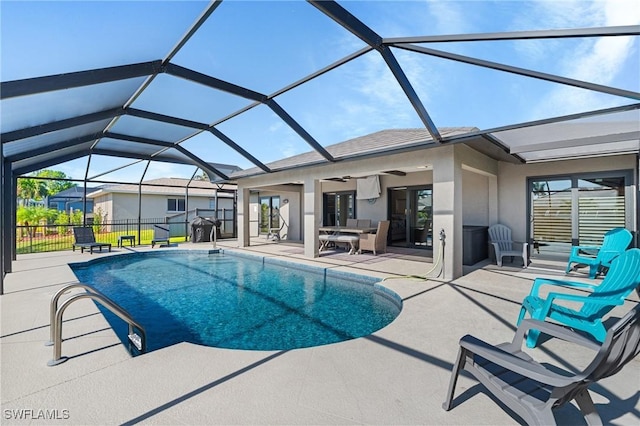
x=398, y=375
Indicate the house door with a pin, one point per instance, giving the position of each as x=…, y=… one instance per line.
x=337, y=208
x=269, y=213
x=411, y=216
x=575, y=210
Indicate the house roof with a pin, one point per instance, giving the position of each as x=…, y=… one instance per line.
x=381, y=143
x=155, y=95
x=73, y=192
x=169, y=186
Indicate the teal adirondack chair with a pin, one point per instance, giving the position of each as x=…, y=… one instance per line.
x=615, y=242
x=622, y=279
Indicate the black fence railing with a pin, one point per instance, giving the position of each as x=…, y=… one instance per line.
x=54, y=237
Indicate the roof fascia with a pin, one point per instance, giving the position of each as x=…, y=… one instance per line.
x=32, y=86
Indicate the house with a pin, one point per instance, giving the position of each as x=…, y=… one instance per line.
x=166, y=200
x=72, y=199
x=448, y=187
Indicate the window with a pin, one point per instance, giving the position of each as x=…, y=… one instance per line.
x=575, y=210
x=338, y=207
x=176, y=205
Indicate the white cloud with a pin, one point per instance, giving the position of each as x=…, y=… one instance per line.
x=448, y=17
x=594, y=60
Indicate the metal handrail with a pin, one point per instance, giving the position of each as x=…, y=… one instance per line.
x=139, y=341
x=53, y=307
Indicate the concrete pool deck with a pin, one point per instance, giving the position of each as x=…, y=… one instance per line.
x=398, y=375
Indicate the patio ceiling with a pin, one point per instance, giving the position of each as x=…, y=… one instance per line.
x=170, y=82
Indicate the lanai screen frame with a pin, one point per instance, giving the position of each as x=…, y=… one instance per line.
x=22, y=161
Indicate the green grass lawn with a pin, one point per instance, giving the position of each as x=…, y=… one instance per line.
x=56, y=242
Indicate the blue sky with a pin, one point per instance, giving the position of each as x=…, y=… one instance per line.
x=267, y=45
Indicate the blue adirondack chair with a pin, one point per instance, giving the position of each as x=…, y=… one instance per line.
x=615, y=242
x=622, y=279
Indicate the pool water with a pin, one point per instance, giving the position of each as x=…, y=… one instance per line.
x=238, y=302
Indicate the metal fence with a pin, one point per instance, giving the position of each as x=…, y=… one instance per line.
x=45, y=237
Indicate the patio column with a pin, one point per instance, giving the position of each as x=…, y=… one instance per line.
x=311, y=205
x=447, y=210
x=243, y=217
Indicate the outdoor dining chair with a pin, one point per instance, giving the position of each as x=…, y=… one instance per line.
x=375, y=242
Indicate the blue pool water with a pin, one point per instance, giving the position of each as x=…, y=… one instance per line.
x=238, y=302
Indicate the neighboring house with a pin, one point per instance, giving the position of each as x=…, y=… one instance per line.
x=435, y=186
x=163, y=198
x=72, y=199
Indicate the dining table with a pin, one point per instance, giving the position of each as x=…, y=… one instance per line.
x=332, y=234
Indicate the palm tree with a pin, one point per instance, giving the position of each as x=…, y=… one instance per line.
x=31, y=189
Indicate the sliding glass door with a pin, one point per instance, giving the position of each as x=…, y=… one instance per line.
x=269, y=214
x=411, y=216
x=338, y=207
x=575, y=210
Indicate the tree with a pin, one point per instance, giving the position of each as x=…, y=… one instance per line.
x=37, y=189
x=56, y=181
x=31, y=189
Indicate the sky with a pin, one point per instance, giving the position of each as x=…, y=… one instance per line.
x=267, y=45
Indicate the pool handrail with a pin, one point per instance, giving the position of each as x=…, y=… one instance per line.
x=56, y=313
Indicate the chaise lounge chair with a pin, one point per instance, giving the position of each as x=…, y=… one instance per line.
x=531, y=389
x=622, y=279
x=160, y=235
x=84, y=238
x=615, y=242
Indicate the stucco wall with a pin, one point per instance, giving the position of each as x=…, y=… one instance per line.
x=118, y=206
x=475, y=196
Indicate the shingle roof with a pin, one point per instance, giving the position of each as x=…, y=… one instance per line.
x=373, y=143
x=168, y=186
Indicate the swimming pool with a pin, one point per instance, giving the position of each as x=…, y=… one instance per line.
x=238, y=301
